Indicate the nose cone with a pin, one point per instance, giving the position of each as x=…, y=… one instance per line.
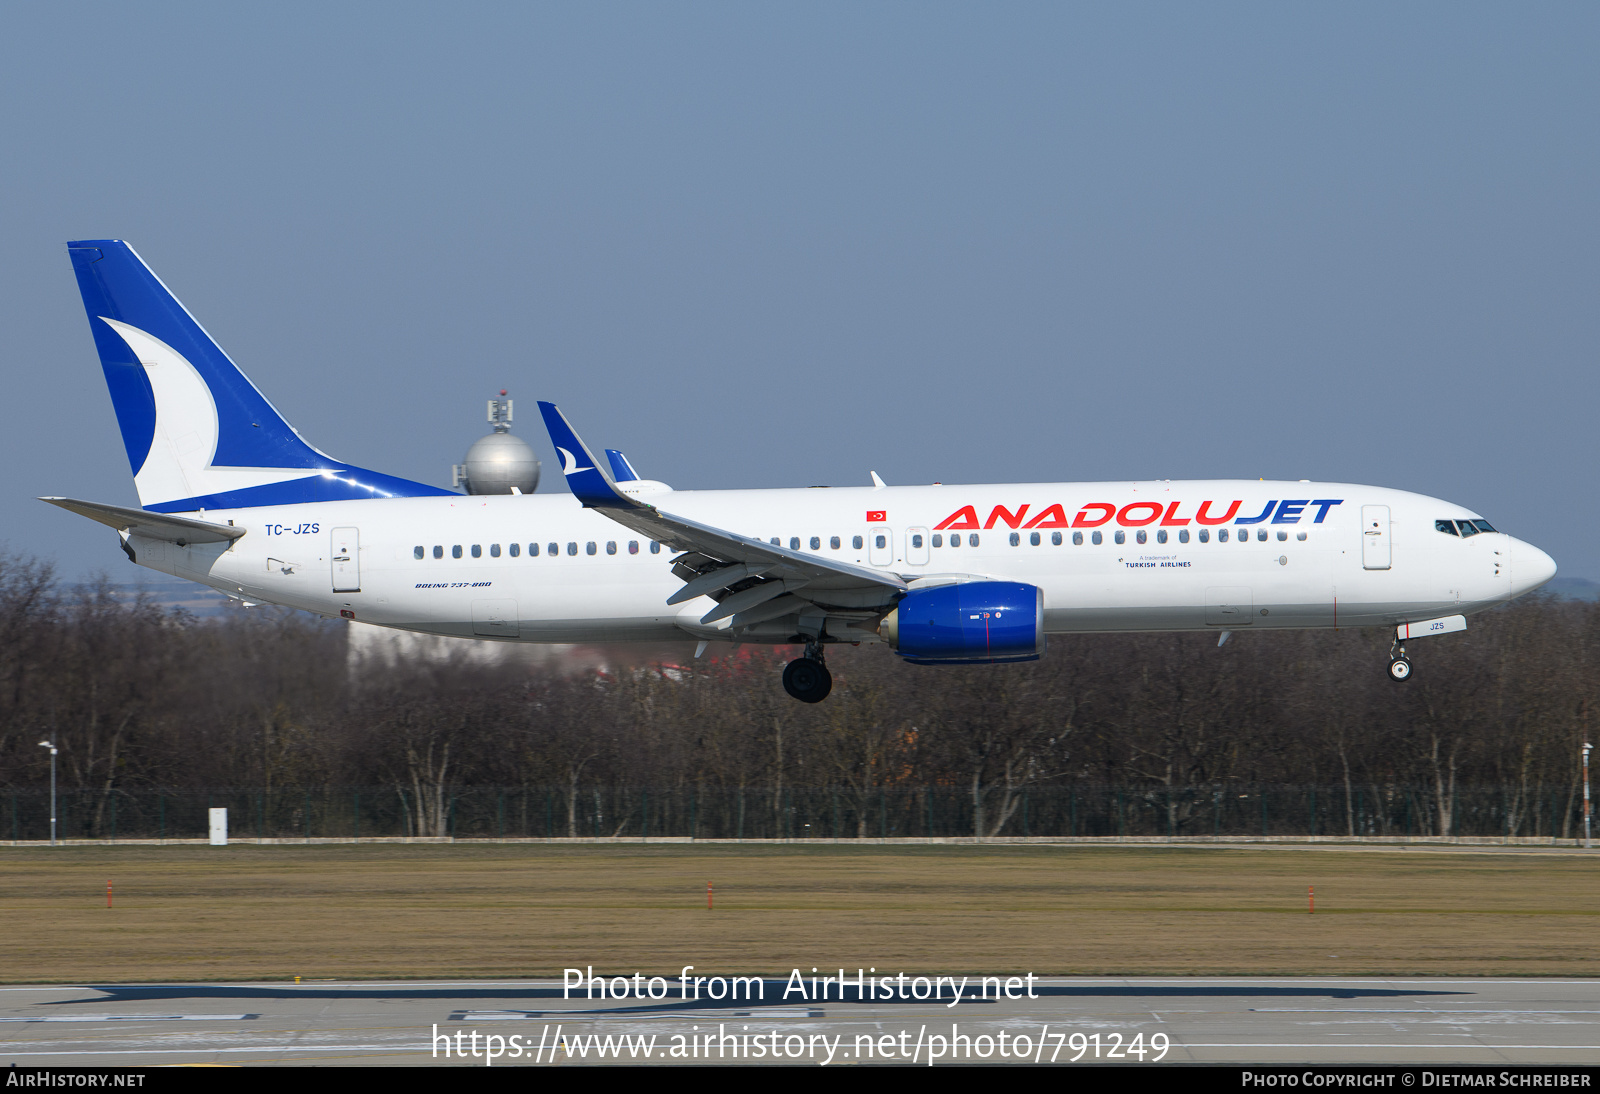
x=1530, y=568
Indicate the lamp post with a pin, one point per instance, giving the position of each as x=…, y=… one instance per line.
x=1587, y=748
x=51, y=746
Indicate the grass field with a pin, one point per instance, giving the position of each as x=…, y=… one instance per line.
x=503, y=910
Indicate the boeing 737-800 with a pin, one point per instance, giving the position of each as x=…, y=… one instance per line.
x=232, y=497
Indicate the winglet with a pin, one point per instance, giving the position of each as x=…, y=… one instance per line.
x=587, y=477
x=621, y=469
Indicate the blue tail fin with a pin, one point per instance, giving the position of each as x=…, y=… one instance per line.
x=198, y=433
x=621, y=469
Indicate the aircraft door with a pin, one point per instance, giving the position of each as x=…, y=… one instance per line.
x=916, y=546
x=880, y=545
x=346, y=560
x=1375, y=537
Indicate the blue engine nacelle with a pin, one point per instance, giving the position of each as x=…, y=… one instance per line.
x=974, y=623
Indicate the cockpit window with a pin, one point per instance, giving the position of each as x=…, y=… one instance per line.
x=1483, y=526
x=1448, y=527
x=1467, y=528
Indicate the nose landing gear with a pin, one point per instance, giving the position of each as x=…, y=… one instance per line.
x=807, y=678
x=1399, y=664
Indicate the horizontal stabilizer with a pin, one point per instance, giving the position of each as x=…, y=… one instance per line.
x=137, y=522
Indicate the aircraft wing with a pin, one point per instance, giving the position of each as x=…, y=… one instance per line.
x=137, y=522
x=752, y=580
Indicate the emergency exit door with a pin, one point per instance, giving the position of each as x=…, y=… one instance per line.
x=880, y=545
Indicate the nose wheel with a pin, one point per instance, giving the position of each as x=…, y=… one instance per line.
x=807, y=678
x=1399, y=665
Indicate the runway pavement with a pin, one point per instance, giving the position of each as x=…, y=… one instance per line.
x=1132, y=1022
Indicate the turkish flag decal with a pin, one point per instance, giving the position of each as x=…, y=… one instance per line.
x=877, y=516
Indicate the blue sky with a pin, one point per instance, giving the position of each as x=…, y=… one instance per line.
x=774, y=245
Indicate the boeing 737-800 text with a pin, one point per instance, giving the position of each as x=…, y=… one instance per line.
x=234, y=498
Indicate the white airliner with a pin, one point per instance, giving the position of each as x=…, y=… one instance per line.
x=234, y=498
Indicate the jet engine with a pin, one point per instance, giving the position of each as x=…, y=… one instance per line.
x=971, y=623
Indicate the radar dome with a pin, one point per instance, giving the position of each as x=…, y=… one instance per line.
x=499, y=463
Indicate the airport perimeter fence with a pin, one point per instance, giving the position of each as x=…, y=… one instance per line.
x=798, y=812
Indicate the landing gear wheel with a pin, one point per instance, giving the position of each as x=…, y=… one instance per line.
x=1400, y=670
x=807, y=679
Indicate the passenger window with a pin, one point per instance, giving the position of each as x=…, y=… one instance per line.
x=417, y=552
x=554, y=549
x=776, y=542
x=1016, y=539
x=1033, y=539
x=655, y=547
x=1161, y=536
x=1448, y=527
x=1121, y=536
x=572, y=547
x=455, y=552
x=794, y=543
x=1282, y=535
x=916, y=541
x=938, y=540
x=611, y=546
x=955, y=541
x=1205, y=535
x=515, y=549
x=1222, y=535
x=972, y=540
x=438, y=552
x=1183, y=535
x=855, y=541
x=1300, y=536
x=1261, y=535
x=880, y=541
x=589, y=548
x=1077, y=539
x=833, y=543
x=1097, y=538
x=477, y=550
x=533, y=550
x=494, y=550
x=816, y=543
x=633, y=546
x=1139, y=535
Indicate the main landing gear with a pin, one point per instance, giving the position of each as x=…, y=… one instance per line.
x=807, y=678
x=1399, y=664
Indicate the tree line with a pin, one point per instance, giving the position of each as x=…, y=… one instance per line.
x=141, y=697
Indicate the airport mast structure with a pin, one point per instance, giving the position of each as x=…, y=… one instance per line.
x=51, y=745
x=498, y=463
x=1587, y=748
